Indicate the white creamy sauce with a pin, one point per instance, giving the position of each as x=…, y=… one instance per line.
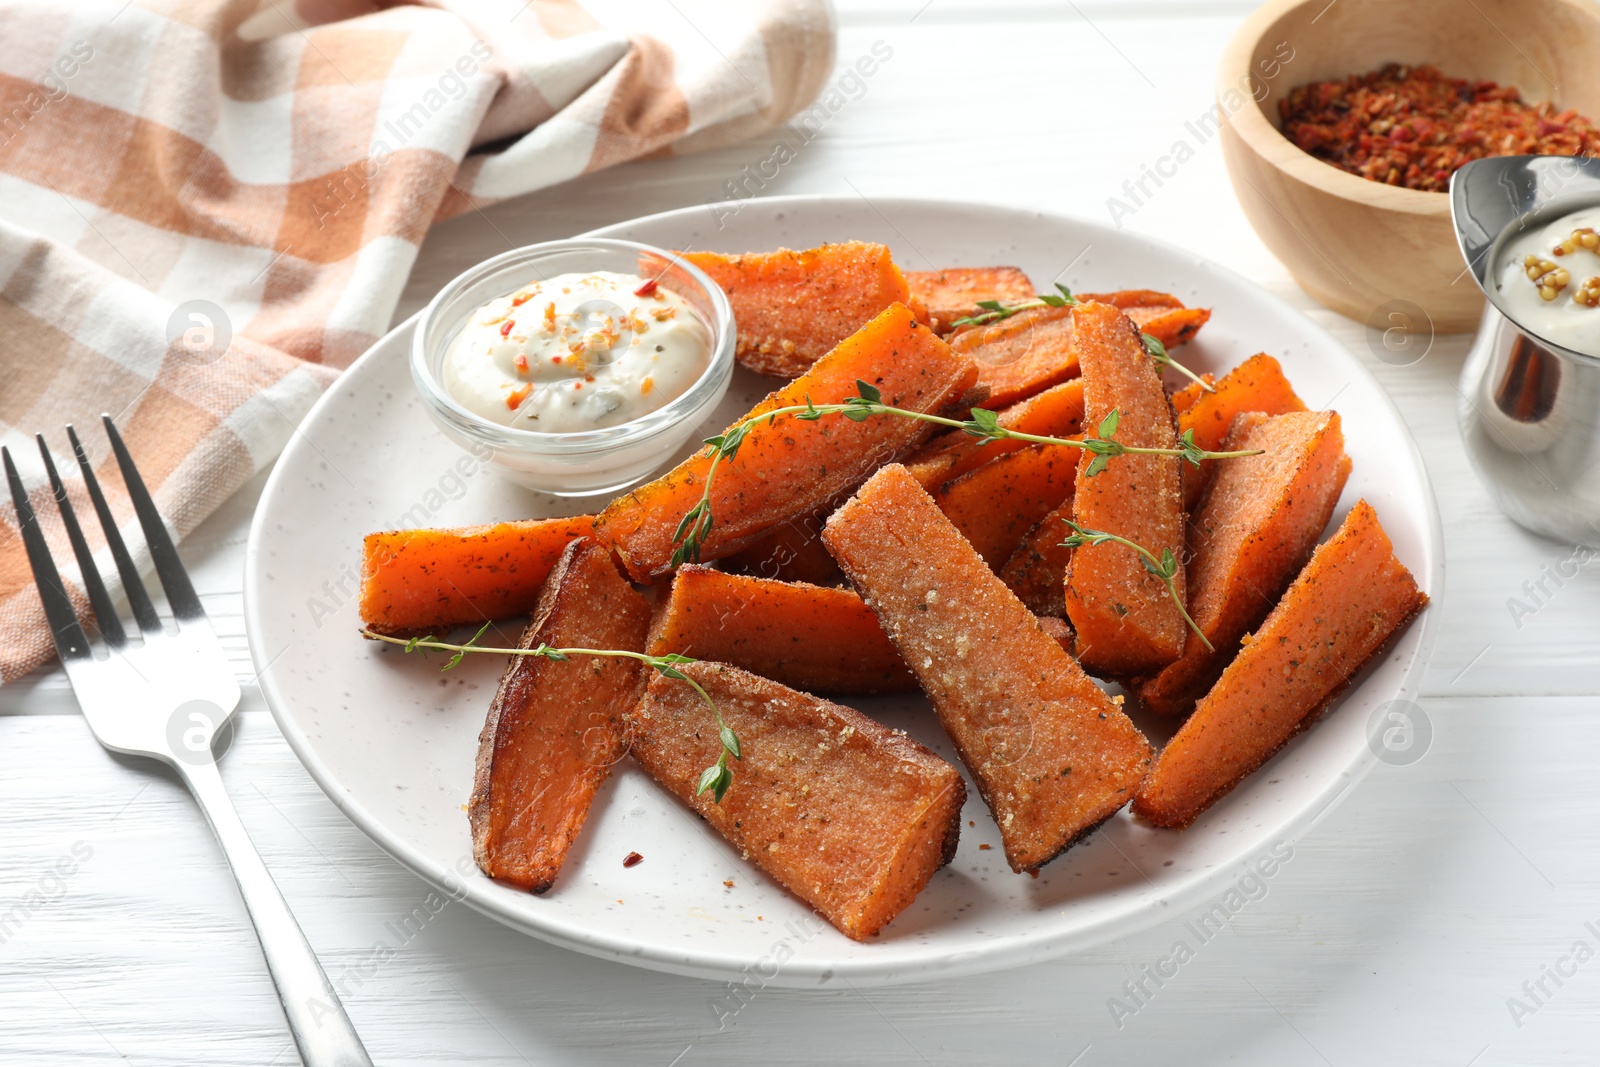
x=1551, y=295
x=577, y=352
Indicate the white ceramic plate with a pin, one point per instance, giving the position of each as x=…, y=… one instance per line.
x=392, y=740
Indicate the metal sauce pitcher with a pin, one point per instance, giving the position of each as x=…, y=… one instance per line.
x=1530, y=408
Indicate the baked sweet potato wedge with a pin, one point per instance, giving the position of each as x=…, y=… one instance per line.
x=1125, y=621
x=1132, y=298
x=1056, y=412
x=1020, y=355
x=792, y=307
x=1031, y=350
x=1341, y=609
x=555, y=727
x=789, y=469
x=1057, y=630
x=1257, y=384
x=995, y=505
x=1161, y=315
x=414, y=581
x=954, y=293
x=815, y=639
x=919, y=309
x=847, y=814
x=1184, y=398
x=789, y=552
x=1256, y=528
x=1171, y=326
x=1037, y=570
x=1051, y=753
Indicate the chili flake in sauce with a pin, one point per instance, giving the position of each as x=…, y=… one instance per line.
x=1413, y=126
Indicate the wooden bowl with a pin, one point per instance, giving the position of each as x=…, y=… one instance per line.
x=1359, y=246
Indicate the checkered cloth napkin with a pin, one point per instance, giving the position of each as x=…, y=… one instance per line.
x=208, y=207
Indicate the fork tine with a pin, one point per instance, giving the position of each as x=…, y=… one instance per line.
x=138, y=599
x=105, y=613
x=174, y=579
x=71, y=641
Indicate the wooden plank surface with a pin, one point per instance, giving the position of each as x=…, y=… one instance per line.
x=1395, y=934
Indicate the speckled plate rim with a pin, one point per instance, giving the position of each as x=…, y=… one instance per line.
x=1139, y=908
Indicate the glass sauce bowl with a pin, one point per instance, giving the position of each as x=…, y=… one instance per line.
x=588, y=462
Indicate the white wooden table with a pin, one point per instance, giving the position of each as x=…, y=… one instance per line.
x=1396, y=934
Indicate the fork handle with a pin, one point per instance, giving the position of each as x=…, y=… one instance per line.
x=322, y=1032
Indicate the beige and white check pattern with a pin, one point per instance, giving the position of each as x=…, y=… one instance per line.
x=208, y=207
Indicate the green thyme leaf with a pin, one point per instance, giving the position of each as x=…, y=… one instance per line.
x=734, y=438
x=711, y=778
x=987, y=421
x=688, y=518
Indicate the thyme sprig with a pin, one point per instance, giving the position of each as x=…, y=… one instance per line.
x=1158, y=352
x=717, y=777
x=1165, y=568
x=994, y=311
x=984, y=424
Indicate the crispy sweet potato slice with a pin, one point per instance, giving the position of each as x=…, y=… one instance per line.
x=793, y=307
x=1057, y=630
x=1020, y=355
x=1255, y=530
x=953, y=293
x=845, y=813
x=789, y=552
x=1257, y=384
x=1184, y=398
x=1125, y=621
x=1056, y=412
x=1171, y=326
x=1032, y=350
x=995, y=505
x=790, y=469
x=1052, y=754
x=556, y=727
x=420, y=580
x=1037, y=570
x=1340, y=610
x=815, y=639
x=1133, y=298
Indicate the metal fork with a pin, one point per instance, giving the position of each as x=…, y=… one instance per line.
x=167, y=697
